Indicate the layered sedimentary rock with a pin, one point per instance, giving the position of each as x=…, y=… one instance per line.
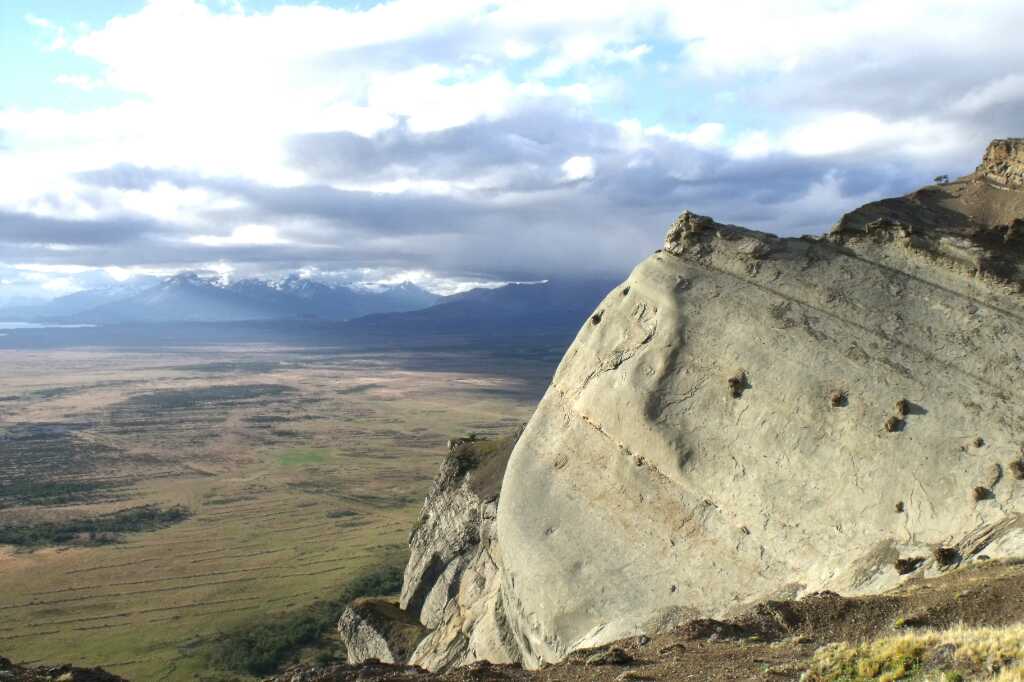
x=1004, y=162
x=749, y=417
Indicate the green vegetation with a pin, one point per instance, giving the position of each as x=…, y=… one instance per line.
x=916, y=655
x=192, y=398
x=99, y=530
x=49, y=463
x=30, y=492
x=262, y=647
x=263, y=539
x=301, y=457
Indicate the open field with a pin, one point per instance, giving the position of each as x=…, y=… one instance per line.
x=301, y=468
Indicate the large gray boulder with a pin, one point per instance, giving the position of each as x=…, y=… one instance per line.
x=749, y=417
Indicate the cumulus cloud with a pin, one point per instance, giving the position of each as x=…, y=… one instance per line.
x=578, y=168
x=487, y=141
x=243, y=235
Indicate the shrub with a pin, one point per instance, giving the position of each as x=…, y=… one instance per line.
x=262, y=647
x=98, y=530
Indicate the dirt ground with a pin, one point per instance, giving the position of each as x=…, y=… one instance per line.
x=775, y=640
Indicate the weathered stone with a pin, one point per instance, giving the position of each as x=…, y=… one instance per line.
x=923, y=305
x=611, y=656
x=451, y=582
x=1004, y=162
x=657, y=483
x=375, y=629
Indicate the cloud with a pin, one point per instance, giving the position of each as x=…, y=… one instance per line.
x=1003, y=90
x=243, y=235
x=30, y=229
x=578, y=168
x=78, y=81
x=488, y=141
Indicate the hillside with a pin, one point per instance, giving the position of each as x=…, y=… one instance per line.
x=556, y=305
x=750, y=419
x=515, y=316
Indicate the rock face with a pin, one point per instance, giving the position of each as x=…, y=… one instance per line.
x=1004, y=162
x=750, y=417
x=376, y=628
x=451, y=584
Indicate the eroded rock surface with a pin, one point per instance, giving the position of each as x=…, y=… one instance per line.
x=451, y=581
x=691, y=456
x=1004, y=162
x=376, y=628
x=449, y=612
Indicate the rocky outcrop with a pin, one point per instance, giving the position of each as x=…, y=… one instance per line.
x=749, y=417
x=58, y=673
x=375, y=628
x=1004, y=162
x=451, y=583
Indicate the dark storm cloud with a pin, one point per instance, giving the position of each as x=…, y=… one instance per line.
x=526, y=221
x=27, y=228
x=529, y=144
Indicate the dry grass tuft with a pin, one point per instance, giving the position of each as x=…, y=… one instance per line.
x=957, y=653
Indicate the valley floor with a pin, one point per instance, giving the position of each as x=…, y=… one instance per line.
x=299, y=470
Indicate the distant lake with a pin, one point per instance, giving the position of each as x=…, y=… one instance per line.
x=34, y=325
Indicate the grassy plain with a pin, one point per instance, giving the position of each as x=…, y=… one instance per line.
x=302, y=469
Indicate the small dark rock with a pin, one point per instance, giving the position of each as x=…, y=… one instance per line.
x=738, y=383
x=908, y=565
x=676, y=648
x=710, y=629
x=837, y=398
x=893, y=424
x=612, y=656
x=946, y=556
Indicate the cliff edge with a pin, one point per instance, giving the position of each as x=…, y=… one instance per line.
x=749, y=417
x=449, y=608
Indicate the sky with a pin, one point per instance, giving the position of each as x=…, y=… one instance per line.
x=451, y=142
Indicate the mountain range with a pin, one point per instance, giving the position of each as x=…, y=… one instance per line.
x=189, y=297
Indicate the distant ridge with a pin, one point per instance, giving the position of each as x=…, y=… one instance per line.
x=190, y=297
